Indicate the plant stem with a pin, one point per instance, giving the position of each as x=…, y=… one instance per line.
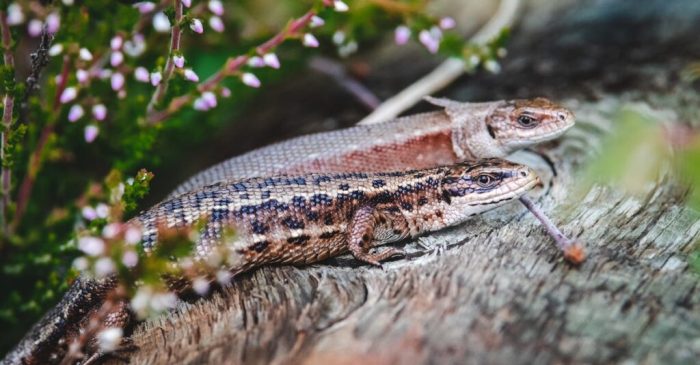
x=8, y=106
x=162, y=87
x=230, y=67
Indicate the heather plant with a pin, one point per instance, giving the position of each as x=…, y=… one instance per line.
x=97, y=93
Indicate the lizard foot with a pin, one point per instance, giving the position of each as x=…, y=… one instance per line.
x=376, y=258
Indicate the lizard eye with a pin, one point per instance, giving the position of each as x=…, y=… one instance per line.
x=486, y=180
x=527, y=121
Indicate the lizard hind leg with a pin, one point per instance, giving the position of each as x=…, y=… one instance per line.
x=361, y=235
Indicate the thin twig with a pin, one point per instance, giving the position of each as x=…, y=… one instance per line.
x=338, y=73
x=232, y=66
x=8, y=106
x=35, y=160
x=447, y=72
x=176, y=34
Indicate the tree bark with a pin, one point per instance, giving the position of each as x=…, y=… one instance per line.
x=496, y=290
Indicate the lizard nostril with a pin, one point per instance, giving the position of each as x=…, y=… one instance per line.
x=561, y=116
x=523, y=173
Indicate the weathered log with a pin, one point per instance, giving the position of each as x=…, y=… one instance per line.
x=498, y=291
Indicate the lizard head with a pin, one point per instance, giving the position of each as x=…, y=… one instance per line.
x=473, y=187
x=522, y=123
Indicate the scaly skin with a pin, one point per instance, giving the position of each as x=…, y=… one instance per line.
x=459, y=132
x=298, y=220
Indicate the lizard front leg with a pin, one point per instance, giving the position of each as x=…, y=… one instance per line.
x=361, y=234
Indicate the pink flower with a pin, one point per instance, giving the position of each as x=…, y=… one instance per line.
x=34, y=27
x=130, y=259
x=132, y=235
x=68, y=95
x=76, y=112
x=82, y=76
x=99, y=111
x=271, y=60
x=179, y=61
x=89, y=213
x=141, y=74
x=53, y=22
x=250, y=80
x=316, y=22
x=225, y=92
x=310, y=41
x=430, y=43
x=200, y=285
x=92, y=246
x=117, y=81
x=15, y=16
x=209, y=98
x=104, y=266
x=256, y=62
x=196, y=26
x=340, y=6
x=200, y=104
x=85, y=54
x=155, y=78
x=216, y=7
x=116, y=43
x=216, y=23
x=145, y=7
x=402, y=34
x=135, y=46
x=191, y=75
x=91, y=132
x=187, y=3
x=116, y=58
x=447, y=23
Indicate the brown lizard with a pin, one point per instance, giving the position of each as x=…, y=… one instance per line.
x=296, y=219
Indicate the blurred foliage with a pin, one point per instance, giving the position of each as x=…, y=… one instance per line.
x=72, y=173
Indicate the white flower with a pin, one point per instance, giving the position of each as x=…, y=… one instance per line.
x=81, y=263
x=68, y=95
x=68, y=2
x=209, y=98
x=338, y=37
x=156, y=77
x=271, y=60
x=216, y=23
x=347, y=49
x=76, y=112
x=85, y=54
x=82, y=76
x=492, y=66
x=316, y=22
x=310, y=41
x=140, y=300
x=191, y=75
x=116, y=43
x=402, y=34
x=136, y=46
x=117, y=81
x=53, y=22
x=145, y=7
x=130, y=259
x=447, y=23
x=163, y=301
x=91, y=132
x=179, y=61
x=132, y=235
x=15, y=15
x=161, y=23
x=102, y=210
x=216, y=7
x=92, y=246
x=250, y=80
x=56, y=49
x=200, y=285
x=340, y=6
x=104, y=266
x=116, y=58
x=111, y=230
x=141, y=74
x=256, y=62
x=34, y=27
x=89, y=213
x=223, y=277
x=430, y=43
x=109, y=339
x=99, y=111
x=196, y=26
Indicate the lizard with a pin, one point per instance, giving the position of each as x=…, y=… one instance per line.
x=461, y=131
x=297, y=219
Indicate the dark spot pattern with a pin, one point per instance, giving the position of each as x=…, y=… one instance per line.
x=260, y=246
x=259, y=227
x=327, y=235
x=265, y=194
x=407, y=206
x=321, y=199
x=378, y=183
x=300, y=240
x=344, y=187
x=321, y=179
x=422, y=201
x=293, y=223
